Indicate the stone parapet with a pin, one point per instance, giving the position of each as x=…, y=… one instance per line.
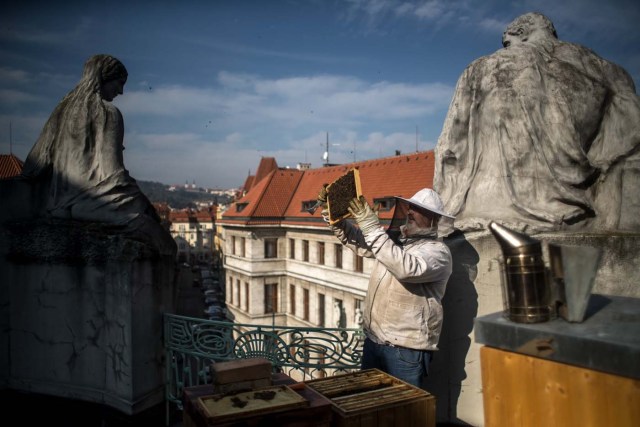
x=81, y=313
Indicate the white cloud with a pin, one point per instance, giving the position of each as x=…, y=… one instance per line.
x=493, y=25
x=12, y=96
x=177, y=158
x=429, y=10
x=12, y=76
x=251, y=99
x=73, y=32
x=285, y=118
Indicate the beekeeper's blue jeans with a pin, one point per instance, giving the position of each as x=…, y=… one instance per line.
x=403, y=363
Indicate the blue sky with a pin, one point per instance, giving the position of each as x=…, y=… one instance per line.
x=215, y=85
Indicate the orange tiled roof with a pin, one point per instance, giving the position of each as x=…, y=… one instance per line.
x=180, y=216
x=10, y=166
x=248, y=183
x=386, y=177
x=204, y=215
x=266, y=166
x=380, y=178
x=267, y=201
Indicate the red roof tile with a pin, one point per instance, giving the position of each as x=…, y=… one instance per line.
x=269, y=198
x=204, y=216
x=279, y=198
x=380, y=178
x=10, y=166
x=266, y=166
x=248, y=183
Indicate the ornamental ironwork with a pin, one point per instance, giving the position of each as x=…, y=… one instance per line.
x=192, y=345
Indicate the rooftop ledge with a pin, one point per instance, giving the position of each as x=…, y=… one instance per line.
x=608, y=340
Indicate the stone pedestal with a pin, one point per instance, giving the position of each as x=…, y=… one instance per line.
x=562, y=373
x=474, y=290
x=81, y=313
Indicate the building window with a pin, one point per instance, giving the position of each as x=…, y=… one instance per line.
x=246, y=296
x=305, y=250
x=357, y=262
x=321, y=309
x=338, y=247
x=321, y=253
x=307, y=204
x=270, y=297
x=240, y=206
x=292, y=248
x=292, y=299
x=305, y=302
x=271, y=248
x=233, y=245
x=236, y=297
x=243, y=243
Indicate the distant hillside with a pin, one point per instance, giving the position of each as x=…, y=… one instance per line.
x=179, y=199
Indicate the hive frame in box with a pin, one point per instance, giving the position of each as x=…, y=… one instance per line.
x=356, y=179
x=373, y=397
x=221, y=407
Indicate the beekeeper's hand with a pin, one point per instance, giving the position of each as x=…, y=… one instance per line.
x=365, y=217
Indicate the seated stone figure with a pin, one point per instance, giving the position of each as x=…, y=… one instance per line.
x=541, y=135
x=77, y=162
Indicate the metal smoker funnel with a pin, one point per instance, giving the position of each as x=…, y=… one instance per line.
x=525, y=289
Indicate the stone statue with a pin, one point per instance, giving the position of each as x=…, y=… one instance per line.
x=77, y=162
x=541, y=135
x=358, y=317
x=337, y=313
x=87, y=268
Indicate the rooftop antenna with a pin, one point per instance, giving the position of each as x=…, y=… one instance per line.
x=10, y=139
x=417, y=138
x=325, y=156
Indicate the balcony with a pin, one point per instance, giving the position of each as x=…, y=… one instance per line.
x=192, y=344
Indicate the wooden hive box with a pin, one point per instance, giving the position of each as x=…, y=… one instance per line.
x=252, y=404
x=241, y=374
x=309, y=409
x=373, y=398
x=340, y=192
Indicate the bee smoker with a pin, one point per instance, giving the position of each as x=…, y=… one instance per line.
x=526, y=292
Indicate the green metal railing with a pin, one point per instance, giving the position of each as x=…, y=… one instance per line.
x=192, y=344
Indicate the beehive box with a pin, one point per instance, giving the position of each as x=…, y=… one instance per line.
x=249, y=404
x=373, y=398
x=241, y=374
x=340, y=192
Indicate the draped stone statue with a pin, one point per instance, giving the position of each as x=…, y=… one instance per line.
x=87, y=268
x=541, y=135
x=358, y=317
x=78, y=159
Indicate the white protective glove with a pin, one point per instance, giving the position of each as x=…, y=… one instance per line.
x=322, y=195
x=365, y=216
